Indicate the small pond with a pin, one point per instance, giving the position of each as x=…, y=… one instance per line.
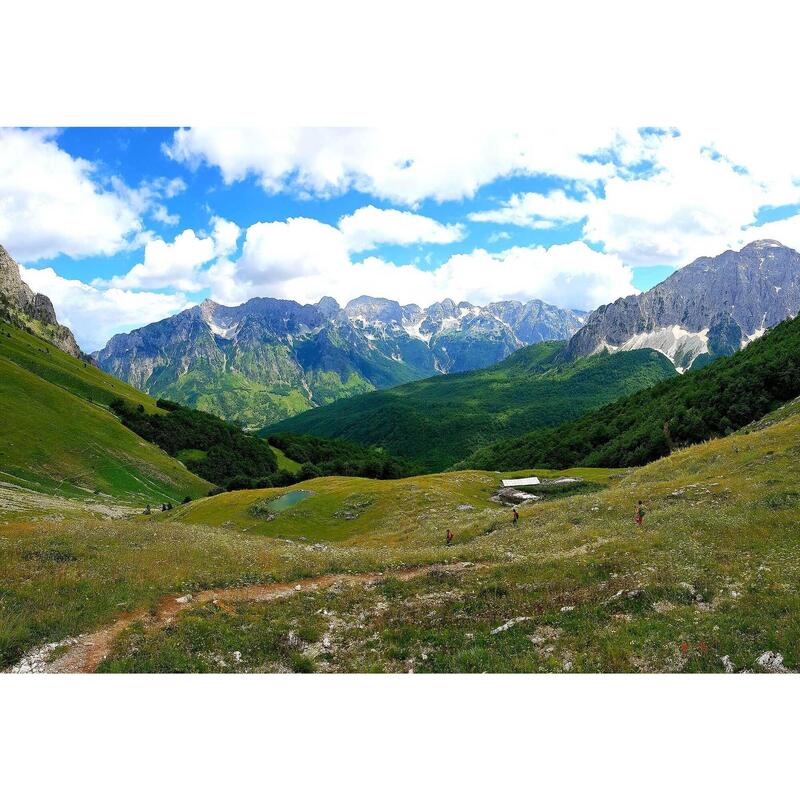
x=288, y=500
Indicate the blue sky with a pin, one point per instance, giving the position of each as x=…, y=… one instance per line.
x=136, y=155
x=122, y=226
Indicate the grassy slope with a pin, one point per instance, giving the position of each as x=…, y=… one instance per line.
x=231, y=395
x=441, y=420
x=711, y=579
x=284, y=462
x=713, y=573
x=395, y=508
x=60, y=369
x=56, y=436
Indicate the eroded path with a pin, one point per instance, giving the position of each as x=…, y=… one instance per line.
x=84, y=653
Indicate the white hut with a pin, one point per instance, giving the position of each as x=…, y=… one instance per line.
x=532, y=480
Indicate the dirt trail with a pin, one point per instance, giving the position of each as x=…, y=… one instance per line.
x=84, y=653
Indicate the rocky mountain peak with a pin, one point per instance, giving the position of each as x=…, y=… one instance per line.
x=700, y=309
x=23, y=307
x=762, y=244
x=268, y=358
x=378, y=309
x=328, y=307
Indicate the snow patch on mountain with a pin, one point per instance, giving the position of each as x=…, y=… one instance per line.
x=678, y=344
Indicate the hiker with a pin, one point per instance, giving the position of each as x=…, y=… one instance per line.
x=639, y=515
x=163, y=506
x=449, y=537
x=516, y=516
x=147, y=509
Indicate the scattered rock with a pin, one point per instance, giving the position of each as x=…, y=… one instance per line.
x=772, y=662
x=187, y=598
x=663, y=606
x=36, y=660
x=291, y=640
x=237, y=656
x=728, y=664
x=514, y=497
x=510, y=624
x=544, y=633
x=465, y=507
x=565, y=609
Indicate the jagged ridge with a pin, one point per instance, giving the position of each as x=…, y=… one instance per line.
x=268, y=359
x=33, y=312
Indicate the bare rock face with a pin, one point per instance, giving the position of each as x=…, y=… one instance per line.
x=712, y=307
x=20, y=305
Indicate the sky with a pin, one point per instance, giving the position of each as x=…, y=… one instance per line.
x=121, y=226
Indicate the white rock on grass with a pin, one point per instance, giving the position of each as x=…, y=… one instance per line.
x=510, y=624
x=772, y=662
x=36, y=660
x=728, y=664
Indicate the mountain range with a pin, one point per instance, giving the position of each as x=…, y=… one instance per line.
x=24, y=308
x=711, y=307
x=269, y=359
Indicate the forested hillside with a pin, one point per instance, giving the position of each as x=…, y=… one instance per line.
x=713, y=401
x=441, y=420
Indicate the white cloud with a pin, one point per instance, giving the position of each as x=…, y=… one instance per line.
x=50, y=202
x=304, y=259
x=534, y=210
x=160, y=214
x=370, y=226
x=401, y=165
x=178, y=264
x=225, y=235
x=277, y=255
x=698, y=197
x=690, y=204
x=96, y=314
x=146, y=198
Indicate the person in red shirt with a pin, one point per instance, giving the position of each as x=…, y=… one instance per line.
x=639, y=515
x=449, y=536
x=516, y=516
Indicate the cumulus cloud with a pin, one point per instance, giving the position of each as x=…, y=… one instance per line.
x=178, y=264
x=368, y=227
x=691, y=203
x=304, y=259
x=401, y=165
x=50, y=202
x=534, y=210
x=672, y=195
x=95, y=314
x=225, y=235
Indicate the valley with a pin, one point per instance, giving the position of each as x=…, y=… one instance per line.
x=141, y=535
x=440, y=421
